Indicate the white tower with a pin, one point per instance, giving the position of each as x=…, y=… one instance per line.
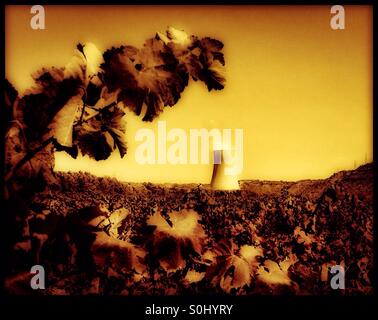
x=222, y=150
x=220, y=180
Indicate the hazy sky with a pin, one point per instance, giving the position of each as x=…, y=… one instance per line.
x=301, y=91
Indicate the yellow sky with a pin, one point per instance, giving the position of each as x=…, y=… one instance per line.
x=301, y=91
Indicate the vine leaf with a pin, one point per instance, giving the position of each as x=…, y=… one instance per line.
x=120, y=253
x=203, y=58
x=236, y=273
x=77, y=67
x=54, y=87
x=178, y=37
x=115, y=126
x=232, y=269
x=101, y=134
x=250, y=253
x=172, y=245
x=150, y=76
x=274, y=273
x=93, y=58
x=62, y=123
x=193, y=276
x=116, y=220
x=40, y=105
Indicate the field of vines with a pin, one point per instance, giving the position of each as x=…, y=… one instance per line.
x=104, y=237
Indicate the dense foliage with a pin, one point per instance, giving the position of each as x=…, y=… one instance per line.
x=82, y=106
x=101, y=236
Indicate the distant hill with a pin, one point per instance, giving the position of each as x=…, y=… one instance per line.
x=354, y=180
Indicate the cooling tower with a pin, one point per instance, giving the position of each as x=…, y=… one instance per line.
x=220, y=180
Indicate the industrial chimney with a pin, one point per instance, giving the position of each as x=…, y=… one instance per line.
x=220, y=180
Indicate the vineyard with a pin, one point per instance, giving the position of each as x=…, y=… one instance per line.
x=101, y=236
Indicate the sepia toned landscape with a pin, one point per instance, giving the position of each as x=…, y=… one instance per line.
x=182, y=157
